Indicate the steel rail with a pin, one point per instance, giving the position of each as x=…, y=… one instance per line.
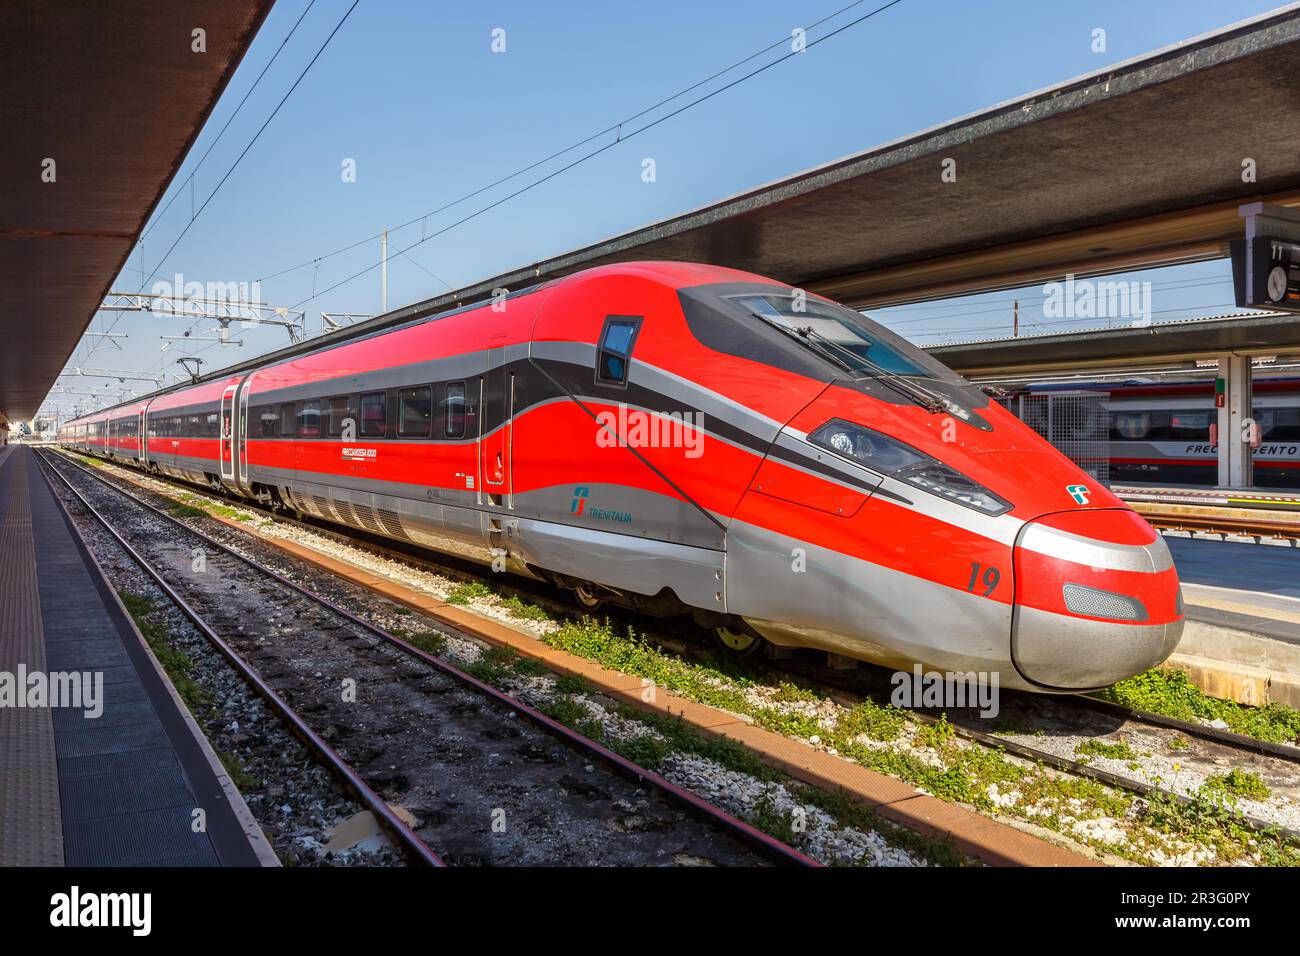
x=1261, y=527
x=1228, y=738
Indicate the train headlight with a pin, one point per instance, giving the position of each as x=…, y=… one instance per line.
x=893, y=457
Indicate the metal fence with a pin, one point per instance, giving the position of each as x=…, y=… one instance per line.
x=1076, y=422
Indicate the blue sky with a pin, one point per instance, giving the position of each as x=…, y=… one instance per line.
x=413, y=93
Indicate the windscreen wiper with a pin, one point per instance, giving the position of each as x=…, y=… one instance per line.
x=900, y=383
x=805, y=342
x=811, y=339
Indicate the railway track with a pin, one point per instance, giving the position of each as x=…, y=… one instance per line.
x=1210, y=497
x=1218, y=524
x=396, y=828
x=485, y=786
x=1220, y=512
x=851, y=687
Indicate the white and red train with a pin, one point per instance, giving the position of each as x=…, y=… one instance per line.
x=688, y=439
x=1162, y=432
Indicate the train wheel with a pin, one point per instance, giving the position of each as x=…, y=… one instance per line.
x=738, y=642
x=586, y=598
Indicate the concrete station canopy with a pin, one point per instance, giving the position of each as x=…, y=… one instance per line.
x=115, y=95
x=1180, y=342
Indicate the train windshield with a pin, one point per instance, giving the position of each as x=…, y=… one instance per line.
x=844, y=335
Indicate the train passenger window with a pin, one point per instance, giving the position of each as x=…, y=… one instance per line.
x=415, y=417
x=1286, y=425
x=1158, y=428
x=1130, y=426
x=309, y=419
x=269, y=416
x=288, y=421
x=1190, y=425
x=454, y=410
x=616, y=341
x=1278, y=424
x=211, y=431
x=338, y=412
x=374, y=412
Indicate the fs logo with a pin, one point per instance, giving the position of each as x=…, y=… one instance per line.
x=579, y=500
x=1079, y=493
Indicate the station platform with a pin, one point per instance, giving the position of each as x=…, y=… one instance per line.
x=112, y=770
x=1242, y=601
x=1265, y=498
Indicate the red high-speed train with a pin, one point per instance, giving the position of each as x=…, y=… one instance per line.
x=684, y=438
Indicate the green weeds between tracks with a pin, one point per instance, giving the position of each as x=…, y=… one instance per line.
x=176, y=663
x=1240, y=783
x=1099, y=748
x=1171, y=693
x=429, y=641
x=931, y=757
x=179, y=510
x=467, y=592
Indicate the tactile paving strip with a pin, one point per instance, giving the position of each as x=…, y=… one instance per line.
x=31, y=825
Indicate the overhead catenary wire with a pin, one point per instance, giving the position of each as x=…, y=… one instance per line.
x=623, y=137
x=1129, y=323
x=596, y=152
x=423, y=219
x=612, y=128
x=999, y=305
x=230, y=119
x=158, y=217
x=256, y=137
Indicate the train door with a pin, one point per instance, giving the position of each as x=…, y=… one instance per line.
x=496, y=417
x=141, y=435
x=497, y=420
x=226, y=431
x=241, y=434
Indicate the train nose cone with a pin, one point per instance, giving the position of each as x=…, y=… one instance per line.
x=1097, y=599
